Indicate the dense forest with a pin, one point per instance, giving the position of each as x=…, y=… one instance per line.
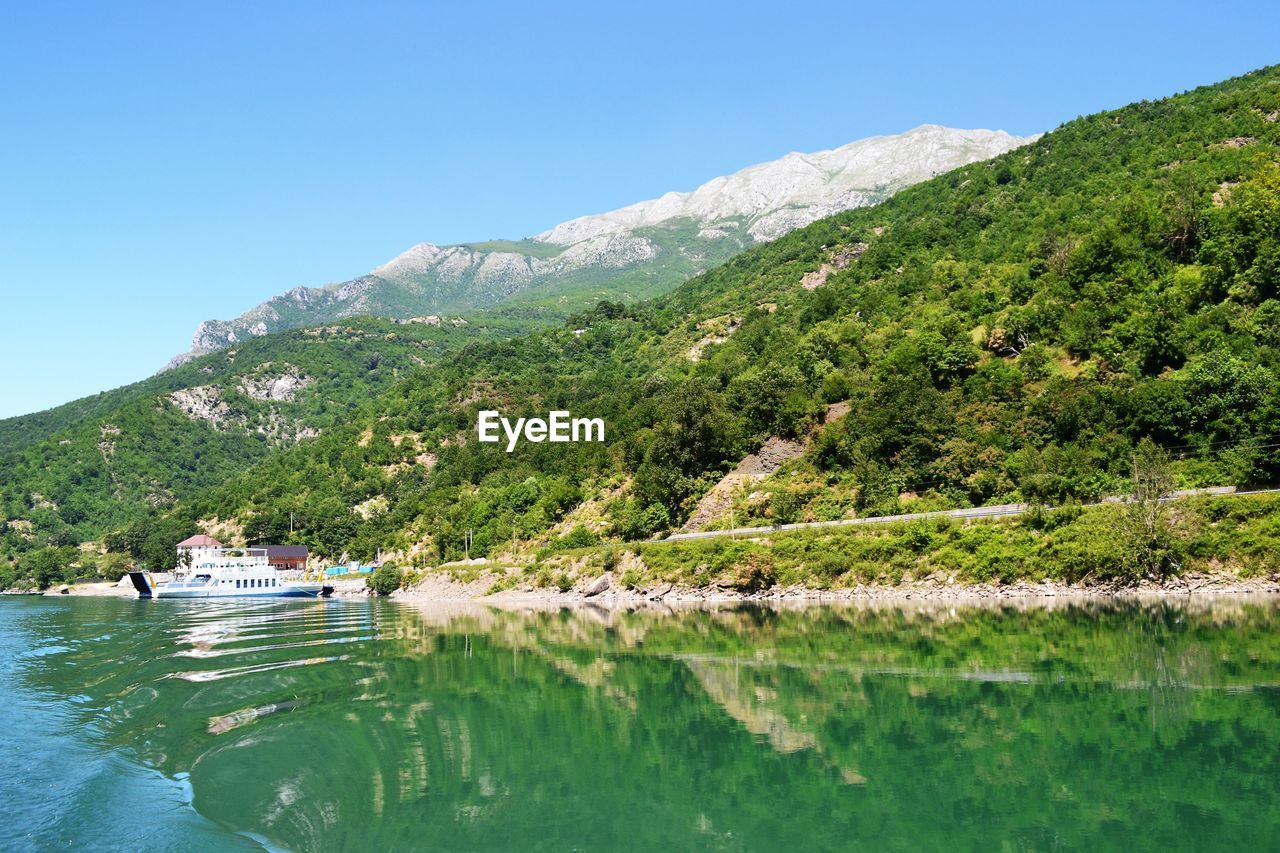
x=72, y=474
x=1011, y=330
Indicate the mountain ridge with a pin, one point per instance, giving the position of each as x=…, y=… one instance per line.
x=637, y=251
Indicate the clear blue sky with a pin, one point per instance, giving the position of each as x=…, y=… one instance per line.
x=165, y=163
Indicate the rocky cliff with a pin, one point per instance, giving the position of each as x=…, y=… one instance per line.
x=637, y=251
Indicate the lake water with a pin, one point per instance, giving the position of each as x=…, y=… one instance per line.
x=366, y=725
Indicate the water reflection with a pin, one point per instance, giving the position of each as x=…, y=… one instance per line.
x=1131, y=725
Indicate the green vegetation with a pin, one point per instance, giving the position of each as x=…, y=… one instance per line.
x=681, y=253
x=1071, y=545
x=1012, y=330
x=116, y=460
x=532, y=248
x=385, y=579
x=41, y=568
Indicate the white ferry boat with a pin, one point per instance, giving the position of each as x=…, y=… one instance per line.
x=208, y=570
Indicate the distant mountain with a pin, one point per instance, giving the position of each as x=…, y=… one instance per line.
x=637, y=251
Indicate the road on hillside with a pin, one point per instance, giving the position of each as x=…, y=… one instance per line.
x=972, y=512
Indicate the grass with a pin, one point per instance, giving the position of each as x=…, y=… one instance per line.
x=532, y=248
x=1238, y=535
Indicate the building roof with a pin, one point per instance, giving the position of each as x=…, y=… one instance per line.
x=200, y=541
x=286, y=551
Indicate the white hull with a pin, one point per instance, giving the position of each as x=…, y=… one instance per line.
x=230, y=577
x=302, y=590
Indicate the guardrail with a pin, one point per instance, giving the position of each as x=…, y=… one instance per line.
x=969, y=512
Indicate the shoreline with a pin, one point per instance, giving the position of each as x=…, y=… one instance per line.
x=603, y=592
x=596, y=592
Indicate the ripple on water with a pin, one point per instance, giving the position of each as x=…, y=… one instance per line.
x=232, y=672
x=1076, y=727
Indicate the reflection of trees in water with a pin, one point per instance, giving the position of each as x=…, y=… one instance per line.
x=1168, y=669
x=495, y=726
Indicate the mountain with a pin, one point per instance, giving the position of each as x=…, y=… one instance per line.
x=1013, y=330
x=1016, y=329
x=638, y=251
x=72, y=472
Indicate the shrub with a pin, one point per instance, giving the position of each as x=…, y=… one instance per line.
x=113, y=566
x=1046, y=519
x=385, y=579
x=785, y=506
x=919, y=537
x=755, y=572
x=830, y=566
x=631, y=521
x=578, y=537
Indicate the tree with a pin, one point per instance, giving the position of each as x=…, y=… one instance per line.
x=385, y=579
x=1143, y=522
x=113, y=566
x=46, y=566
x=693, y=431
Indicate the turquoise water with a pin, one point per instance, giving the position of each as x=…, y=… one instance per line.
x=358, y=725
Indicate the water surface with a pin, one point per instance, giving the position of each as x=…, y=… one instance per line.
x=357, y=725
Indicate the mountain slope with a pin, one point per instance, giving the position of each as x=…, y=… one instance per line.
x=71, y=473
x=1010, y=330
x=638, y=251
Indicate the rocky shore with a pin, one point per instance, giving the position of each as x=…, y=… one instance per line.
x=605, y=591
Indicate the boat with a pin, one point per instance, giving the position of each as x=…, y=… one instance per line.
x=217, y=572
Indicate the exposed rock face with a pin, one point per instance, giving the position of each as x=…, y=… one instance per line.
x=797, y=189
x=202, y=403
x=839, y=261
x=207, y=403
x=376, y=505
x=284, y=386
x=669, y=238
x=755, y=467
x=718, y=330
x=772, y=455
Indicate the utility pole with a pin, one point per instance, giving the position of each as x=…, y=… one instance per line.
x=467, y=543
x=291, y=522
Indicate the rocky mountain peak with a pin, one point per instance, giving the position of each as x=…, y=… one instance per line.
x=658, y=243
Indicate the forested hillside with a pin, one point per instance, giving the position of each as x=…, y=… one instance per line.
x=72, y=473
x=1010, y=330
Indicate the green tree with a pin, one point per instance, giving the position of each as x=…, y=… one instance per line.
x=385, y=580
x=1143, y=523
x=47, y=566
x=113, y=566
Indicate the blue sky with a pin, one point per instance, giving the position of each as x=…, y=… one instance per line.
x=161, y=164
